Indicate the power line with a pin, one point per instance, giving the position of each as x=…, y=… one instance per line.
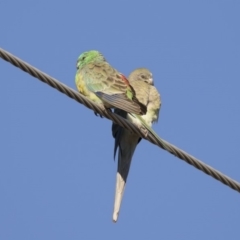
x=119, y=120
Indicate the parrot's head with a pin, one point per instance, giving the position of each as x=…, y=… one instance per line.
x=88, y=57
x=141, y=74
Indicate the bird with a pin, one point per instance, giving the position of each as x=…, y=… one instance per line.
x=100, y=82
x=126, y=141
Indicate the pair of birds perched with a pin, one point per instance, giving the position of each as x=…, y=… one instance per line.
x=135, y=99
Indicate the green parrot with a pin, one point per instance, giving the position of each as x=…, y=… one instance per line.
x=142, y=82
x=103, y=84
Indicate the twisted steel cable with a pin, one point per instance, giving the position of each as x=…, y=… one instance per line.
x=119, y=120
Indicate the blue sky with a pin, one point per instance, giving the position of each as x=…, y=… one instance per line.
x=57, y=174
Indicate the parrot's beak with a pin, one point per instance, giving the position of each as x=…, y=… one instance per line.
x=151, y=82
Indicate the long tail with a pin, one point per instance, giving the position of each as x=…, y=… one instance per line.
x=126, y=150
x=127, y=144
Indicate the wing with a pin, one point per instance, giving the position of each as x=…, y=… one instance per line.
x=101, y=77
x=112, y=87
x=150, y=97
x=142, y=91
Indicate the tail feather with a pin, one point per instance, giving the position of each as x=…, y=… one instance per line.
x=125, y=153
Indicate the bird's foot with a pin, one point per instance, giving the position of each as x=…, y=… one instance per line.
x=97, y=114
x=104, y=109
x=108, y=110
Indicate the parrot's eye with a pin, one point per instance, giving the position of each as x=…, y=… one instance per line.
x=143, y=77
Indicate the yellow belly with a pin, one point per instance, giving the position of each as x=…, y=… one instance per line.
x=83, y=89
